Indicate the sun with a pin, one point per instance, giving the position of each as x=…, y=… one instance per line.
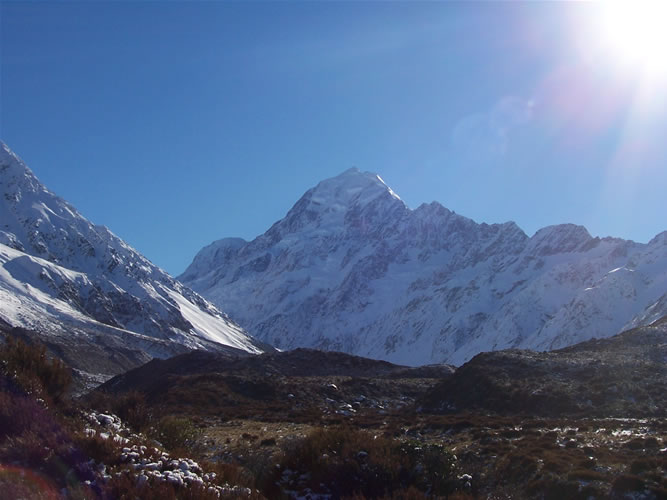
x=634, y=34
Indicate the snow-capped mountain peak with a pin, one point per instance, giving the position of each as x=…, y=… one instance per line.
x=352, y=268
x=351, y=186
x=64, y=275
x=334, y=202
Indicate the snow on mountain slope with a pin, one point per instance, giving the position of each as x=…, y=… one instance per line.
x=37, y=295
x=352, y=268
x=60, y=274
x=652, y=313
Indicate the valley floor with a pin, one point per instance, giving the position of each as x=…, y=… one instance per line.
x=587, y=422
x=493, y=457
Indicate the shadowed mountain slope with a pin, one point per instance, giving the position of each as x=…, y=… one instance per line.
x=621, y=376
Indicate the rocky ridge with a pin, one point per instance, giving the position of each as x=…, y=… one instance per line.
x=621, y=376
x=352, y=268
x=76, y=285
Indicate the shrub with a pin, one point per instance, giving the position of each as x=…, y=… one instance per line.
x=31, y=434
x=132, y=409
x=643, y=465
x=36, y=438
x=410, y=493
x=554, y=488
x=626, y=483
x=17, y=413
x=586, y=475
x=175, y=433
x=32, y=369
x=518, y=465
x=99, y=449
x=344, y=462
x=230, y=473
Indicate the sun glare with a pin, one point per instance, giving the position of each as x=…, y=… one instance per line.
x=635, y=34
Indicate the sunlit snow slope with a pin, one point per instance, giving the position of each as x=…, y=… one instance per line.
x=65, y=278
x=352, y=268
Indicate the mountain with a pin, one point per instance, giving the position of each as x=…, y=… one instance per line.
x=621, y=376
x=84, y=291
x=352, y=268
x=297, y=363
x=302, y=385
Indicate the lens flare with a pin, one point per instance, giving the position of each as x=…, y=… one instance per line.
x=634, y=34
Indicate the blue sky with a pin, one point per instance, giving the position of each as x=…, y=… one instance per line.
x=176, y=124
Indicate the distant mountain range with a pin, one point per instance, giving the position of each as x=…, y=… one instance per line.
x=89, y=295
x=352, y=268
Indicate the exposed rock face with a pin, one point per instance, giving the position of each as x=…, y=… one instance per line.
x=63, y=276
x=352, y=268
